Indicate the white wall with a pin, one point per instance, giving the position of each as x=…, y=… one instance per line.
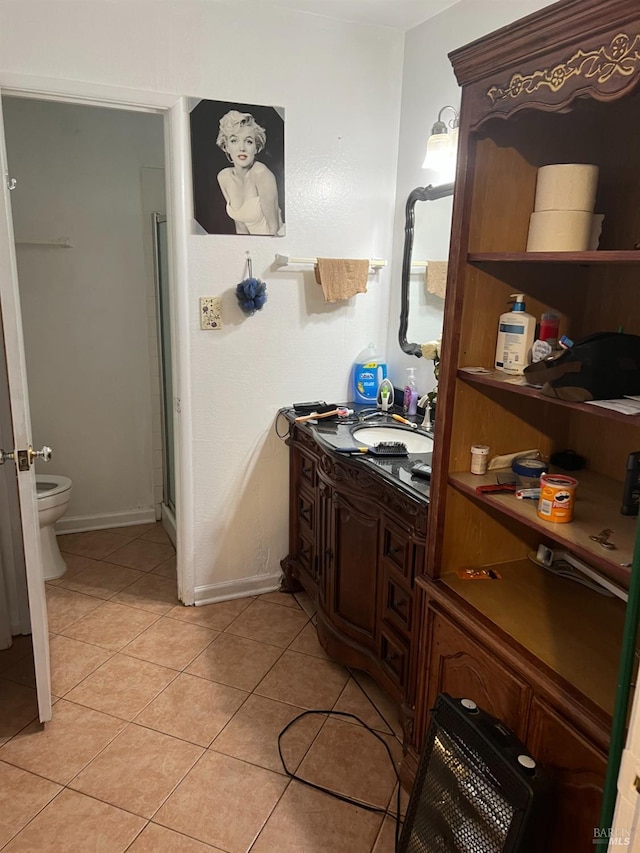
x=428, y=84
x=340, y=86
x=86, y=309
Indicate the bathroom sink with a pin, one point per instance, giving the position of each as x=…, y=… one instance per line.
x=370, y=435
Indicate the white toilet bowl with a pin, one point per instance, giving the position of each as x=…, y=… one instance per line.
x=54, y=494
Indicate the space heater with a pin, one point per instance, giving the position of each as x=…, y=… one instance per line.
x=477, y=790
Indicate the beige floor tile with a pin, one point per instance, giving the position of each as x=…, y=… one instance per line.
x=192, y=708
x=141, y=555
x=157, y=533
x=167, y=569
x=269, y=623
x=353, y=700
x=171, y=643
x=65, y=745
x=72, y=661
x=223, y=802
x=65, y=607
x=132, y=531
x=22, y=795
x=19, y=706
x=20, y=648
x=368, y=775
x=218, y=616
x=138, y=770
x=96, y=543
x=386, y=840
x=252, y=734
x=73, y=823
x=307, y=643
x=23, y=672
x=313, y=822
x=111, y=626
x=101, y=579
x=235, y=661
x=387, y=708
x=159, y=839
x=75, y=563
x=283, y=598
x=304, y=681
x=122, y=686
x=152, y=593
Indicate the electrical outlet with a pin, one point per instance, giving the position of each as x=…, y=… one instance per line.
x=210, y=312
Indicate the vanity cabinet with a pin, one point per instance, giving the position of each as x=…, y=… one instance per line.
x=356, y=543
x=537, y=650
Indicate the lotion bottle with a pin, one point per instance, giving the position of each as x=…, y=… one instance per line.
x=516, y=331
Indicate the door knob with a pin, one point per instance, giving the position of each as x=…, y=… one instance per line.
x=4, y=456
x=44, y=454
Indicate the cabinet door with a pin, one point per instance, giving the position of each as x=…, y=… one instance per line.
x=352, y=568
x=461, y=666
x=576, y=770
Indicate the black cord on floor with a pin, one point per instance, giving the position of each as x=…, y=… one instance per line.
x=280, y=414
x=345, y=799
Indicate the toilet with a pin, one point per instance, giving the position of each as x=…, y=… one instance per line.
x=54, y=494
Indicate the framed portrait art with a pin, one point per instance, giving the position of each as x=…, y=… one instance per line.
x=237, y=156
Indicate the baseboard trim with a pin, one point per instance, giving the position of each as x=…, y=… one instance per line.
x=241, y=588
x=83, y=523
x=168, y=520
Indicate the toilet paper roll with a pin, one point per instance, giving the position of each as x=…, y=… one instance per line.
x=566, y=186
x=596, y=229
x=559, y=231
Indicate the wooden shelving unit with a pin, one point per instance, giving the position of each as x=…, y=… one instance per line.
x=541, y=653
x=574, y=631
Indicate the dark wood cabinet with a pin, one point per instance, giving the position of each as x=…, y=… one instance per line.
x=356, y=542
x=536, y=650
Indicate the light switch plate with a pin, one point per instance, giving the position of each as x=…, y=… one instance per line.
x=210, y=312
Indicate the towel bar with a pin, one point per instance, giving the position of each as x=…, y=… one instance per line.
x=285, y=260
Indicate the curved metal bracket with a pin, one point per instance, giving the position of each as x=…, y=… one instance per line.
x=429, y=193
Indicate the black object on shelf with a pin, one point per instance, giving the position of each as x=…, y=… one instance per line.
x=631, y=493
x=477, y=789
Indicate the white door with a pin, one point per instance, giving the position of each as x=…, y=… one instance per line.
x=16, y=376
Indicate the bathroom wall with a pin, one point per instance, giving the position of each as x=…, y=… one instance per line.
x=87, y=310
x=340, y=86
x=428, y=84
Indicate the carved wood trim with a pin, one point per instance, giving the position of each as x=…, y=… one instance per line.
x=361, y=482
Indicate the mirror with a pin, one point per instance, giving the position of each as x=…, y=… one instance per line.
x=426, y=237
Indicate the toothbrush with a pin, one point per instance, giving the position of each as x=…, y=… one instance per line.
x=402, y=420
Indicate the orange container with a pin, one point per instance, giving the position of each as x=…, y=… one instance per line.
x=557, y=497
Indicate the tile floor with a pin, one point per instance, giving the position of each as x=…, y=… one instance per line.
x=164, y=735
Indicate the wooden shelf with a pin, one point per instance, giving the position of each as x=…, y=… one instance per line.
x=597, y=506
x=517, y=385
x=570, y=628
x=584, y=258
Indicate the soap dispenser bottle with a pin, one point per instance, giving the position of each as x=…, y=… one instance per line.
x=516, y=331
x=410, y=399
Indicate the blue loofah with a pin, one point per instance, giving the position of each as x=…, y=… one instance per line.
x=251, y=294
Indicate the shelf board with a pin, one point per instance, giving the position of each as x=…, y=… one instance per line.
x=597, y=506
x=584, y=258
x=517, y=385
x=572, y=629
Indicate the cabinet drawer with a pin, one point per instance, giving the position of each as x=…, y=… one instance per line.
x=306, y=469
x=396, y=549
x=306, y=512
x=305, y=556
x=394, y=657
x=397, y=608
